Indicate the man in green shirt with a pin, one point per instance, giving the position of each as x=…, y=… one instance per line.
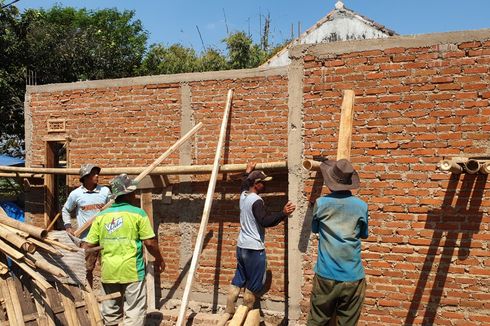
x=122, y=230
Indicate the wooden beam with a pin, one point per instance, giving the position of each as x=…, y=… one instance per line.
x=345, y=129
x=206, y=212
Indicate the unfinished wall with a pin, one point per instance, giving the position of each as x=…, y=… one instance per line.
x=131, y=122
x=418, y=99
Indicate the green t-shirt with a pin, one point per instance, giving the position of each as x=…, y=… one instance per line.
x=120, y=230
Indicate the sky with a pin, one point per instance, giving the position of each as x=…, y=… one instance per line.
x=175, y=21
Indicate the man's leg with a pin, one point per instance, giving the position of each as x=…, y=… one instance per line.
x=350, y=302
x=255, y=266
x=135, y=304
x=323, y=301
x=112, y=310
x=237, y=283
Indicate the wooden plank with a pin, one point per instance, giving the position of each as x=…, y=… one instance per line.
x=27, y=305
x=80, y=304
x=69, y=305
x=206, y=212
x=146, y=171
x=147, y=206
x=14, y=296
x=92, y=306
x=345, y=129
x=39, y=302
x=55, y=308
x=9, y=305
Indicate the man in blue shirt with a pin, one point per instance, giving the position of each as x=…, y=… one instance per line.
x=86, y=201
x=341, y=220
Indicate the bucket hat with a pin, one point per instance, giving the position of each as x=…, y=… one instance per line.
x=339, y=175
x=122, y=185
x=85, y=170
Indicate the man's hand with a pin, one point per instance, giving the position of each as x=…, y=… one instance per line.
x=70, y=231
x=160, y=264
x=250, y=166
x=289, y=208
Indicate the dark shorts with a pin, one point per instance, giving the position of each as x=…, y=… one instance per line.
x=250, y=270
x=334, y=298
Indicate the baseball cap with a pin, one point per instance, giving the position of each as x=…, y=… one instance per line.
x=258, y=175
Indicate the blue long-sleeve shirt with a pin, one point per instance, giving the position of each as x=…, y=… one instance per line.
x=341, y=220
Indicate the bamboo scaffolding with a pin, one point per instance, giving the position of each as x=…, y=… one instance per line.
x=169, y=169
x=146, y=171
x=206, y=212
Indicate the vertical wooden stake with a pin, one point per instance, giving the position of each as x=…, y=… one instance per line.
x=206, y=212
x=147, y=206
x=345, y=129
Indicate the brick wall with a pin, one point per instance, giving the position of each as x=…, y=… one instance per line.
x=133, y=124
x=418, y=100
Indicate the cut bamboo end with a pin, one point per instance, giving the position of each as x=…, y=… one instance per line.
x=450, y=166
x=472, y=166
x=311, y=165
x=485, y=168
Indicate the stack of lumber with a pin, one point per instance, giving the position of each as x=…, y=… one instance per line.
x=40, y=281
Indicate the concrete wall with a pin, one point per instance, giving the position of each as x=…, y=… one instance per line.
x=419, y=99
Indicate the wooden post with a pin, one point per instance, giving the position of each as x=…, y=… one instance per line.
x=239, y=316
x=143, y=174
x=147, y=206
x=49, y=185
x=206, y=212
x=345, y=129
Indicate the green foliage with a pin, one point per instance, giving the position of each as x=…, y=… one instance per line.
x=66, y=44
x=172, y=60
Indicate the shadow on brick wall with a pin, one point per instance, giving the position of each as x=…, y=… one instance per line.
x=448, y=222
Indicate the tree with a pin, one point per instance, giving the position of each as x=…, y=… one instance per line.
x=169, y=60
x=67, y=44
x=12, y=82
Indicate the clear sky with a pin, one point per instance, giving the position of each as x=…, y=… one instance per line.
x=175, y=21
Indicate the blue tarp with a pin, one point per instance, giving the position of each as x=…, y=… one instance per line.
x=9, y=160
x=13, y=210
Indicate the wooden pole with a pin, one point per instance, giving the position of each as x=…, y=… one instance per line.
x=50, y=268
x=14, y=230
x=311, y=165
x=51, y=225
x=147, y=206
x=168, y=169
x=61, y=245
x=9, y=304
x=345, y=129
x=45, y=247
x=206, y=211
x=450, y=166
x=32, y=273
x=145, y=172
x=253, y=318
x=31, y=229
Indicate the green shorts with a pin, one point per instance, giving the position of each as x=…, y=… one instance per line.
x=334, y=298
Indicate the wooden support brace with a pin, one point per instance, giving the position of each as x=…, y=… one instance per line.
x=345, y=129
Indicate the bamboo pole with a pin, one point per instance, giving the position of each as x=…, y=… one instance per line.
x=35, y=275
x=311, y=165
x=14, y=230
x=45, y=246
x=50, y=268
x=168, y=169
x=9, y=304
x=471, y=166
x=450, y=166
x=61, y=245
x=3, y=269
x=16, y=240
x=14, y=296
x=146, y=171
x=485, y=168
x=31, y=229
x=206, y=211
x=20, y=175
x=345, y=129
x=51, y=225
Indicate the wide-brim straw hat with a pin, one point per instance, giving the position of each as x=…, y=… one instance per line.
x=339, y=175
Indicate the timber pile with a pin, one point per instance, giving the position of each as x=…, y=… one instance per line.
x=37, y=285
